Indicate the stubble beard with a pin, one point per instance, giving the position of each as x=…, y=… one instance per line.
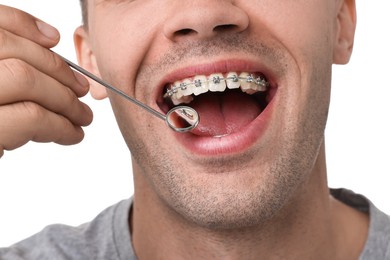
x=215, y=201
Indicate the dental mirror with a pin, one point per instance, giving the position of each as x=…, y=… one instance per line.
x=181, y=119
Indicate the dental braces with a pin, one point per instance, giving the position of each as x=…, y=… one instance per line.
x=259, y=81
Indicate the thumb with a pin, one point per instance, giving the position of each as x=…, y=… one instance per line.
x=27, y=26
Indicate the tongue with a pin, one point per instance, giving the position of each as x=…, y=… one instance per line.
x=224, y=113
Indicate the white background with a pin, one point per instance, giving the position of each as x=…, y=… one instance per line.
x=41, y=184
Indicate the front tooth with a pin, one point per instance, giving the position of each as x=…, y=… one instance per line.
x=232, y=81
x=217, y=83
x=200, y=85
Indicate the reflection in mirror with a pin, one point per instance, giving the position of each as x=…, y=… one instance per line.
x=182, y=118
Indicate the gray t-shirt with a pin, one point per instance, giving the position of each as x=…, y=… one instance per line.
x=107, y=237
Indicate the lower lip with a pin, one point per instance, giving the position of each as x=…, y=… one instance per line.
x=230, y=144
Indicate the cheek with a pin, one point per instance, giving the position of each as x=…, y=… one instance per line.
x=305, y=30
x=301, y=26
x=121, y=37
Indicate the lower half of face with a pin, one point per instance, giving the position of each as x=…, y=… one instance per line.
x=219, y=187
x=263, y=104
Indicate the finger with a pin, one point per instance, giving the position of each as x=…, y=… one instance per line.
x=13, y=46
x=27, y=26
x=26, y=121
x=21, y=82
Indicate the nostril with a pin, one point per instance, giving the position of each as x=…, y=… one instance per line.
x=207, y=20
x=225, y=27
x=217, y=29
x=183, y=32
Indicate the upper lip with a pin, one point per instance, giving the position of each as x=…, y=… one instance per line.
x=222, y=66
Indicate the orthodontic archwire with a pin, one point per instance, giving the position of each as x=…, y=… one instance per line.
x=259, y=81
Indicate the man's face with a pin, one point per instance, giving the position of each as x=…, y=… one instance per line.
x=251, y=150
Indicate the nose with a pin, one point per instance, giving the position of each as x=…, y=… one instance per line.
x=202, y=19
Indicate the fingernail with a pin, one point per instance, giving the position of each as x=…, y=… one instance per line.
x=48, y=30
x=82, y=80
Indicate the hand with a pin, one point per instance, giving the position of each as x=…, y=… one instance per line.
x=39, y=93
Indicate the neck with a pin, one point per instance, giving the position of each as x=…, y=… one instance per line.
x=307, y=227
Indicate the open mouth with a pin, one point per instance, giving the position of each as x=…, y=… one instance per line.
x=226, y=102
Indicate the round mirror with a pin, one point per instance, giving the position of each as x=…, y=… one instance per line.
x=182, y=118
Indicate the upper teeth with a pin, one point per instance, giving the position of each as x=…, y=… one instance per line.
x=181, y=91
